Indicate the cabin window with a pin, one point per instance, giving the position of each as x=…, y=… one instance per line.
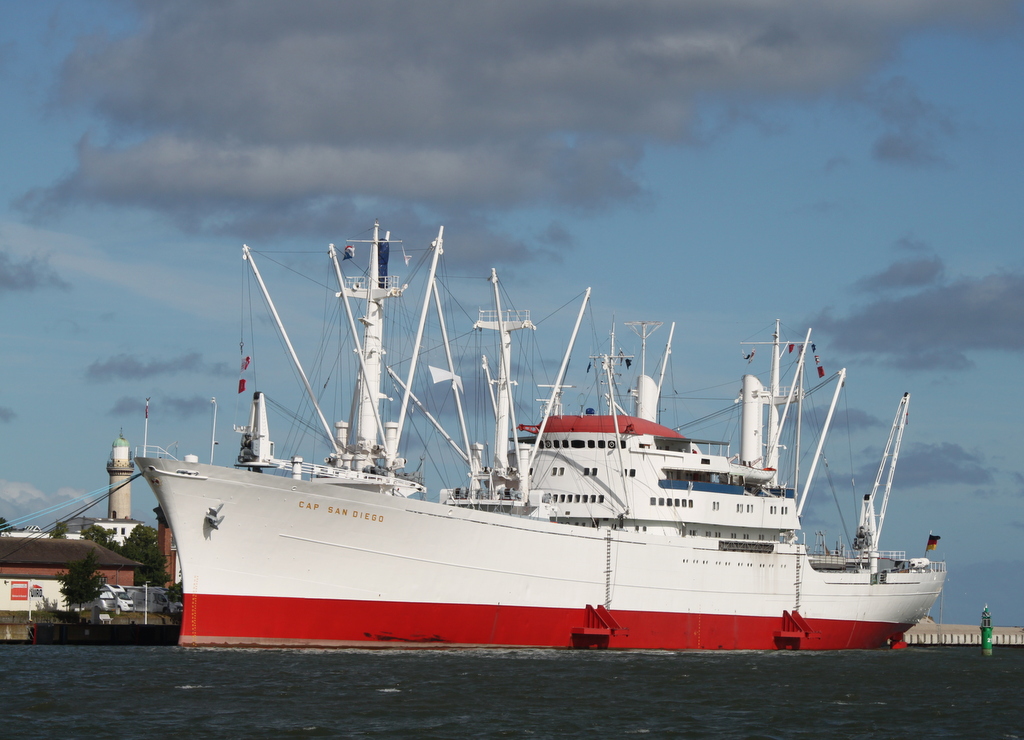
x=594, y=472
x=750, y=508
x=632, y=472
x=661, y=502
x=653, y=500
x=547, y=444
x=718, y=534
x=714, y=505
x=586, y=471
x=691, y=503
x=677, y=502
x=611, y=444
x=739, y=508
x=593, y=498
x=705, y=461
x=590, y=443
x=707, y=533
x=600, y=444
x=785, y=509
x=600, y=498
x=578, y=444
x=693, y=532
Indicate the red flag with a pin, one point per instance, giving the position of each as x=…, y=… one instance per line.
x=821, y=371
x=241, y=385
x=791, y=347
x=245, y=363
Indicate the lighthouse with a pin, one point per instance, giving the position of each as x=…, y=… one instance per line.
x=120, y=468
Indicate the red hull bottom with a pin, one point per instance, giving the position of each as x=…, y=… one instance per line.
x=211, y=620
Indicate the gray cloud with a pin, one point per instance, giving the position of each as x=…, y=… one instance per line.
x=854, y=420
x=128, y=406
x=905, y=274
x=129, y=367
x=935, y=327
x=914, y=129
x=924, y=465
x=27, y=274
x=184, y=408
x=239, y=113
x=180, y=408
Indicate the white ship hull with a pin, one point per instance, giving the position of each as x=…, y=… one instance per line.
x=269, y=560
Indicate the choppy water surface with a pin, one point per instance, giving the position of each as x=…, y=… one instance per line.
x=127, y=692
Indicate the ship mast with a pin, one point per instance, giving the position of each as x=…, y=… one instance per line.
x=369, y=442
x=504, y=323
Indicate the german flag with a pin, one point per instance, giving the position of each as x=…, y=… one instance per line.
x=933, y=542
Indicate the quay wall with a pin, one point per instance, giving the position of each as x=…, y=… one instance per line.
x=930, y=633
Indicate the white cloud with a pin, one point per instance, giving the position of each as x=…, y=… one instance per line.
x=19, y=499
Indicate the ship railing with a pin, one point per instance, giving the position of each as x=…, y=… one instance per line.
x=511, y=315
x=312, y=471
x=892, y=554
x=155, y=451
x=361, y=282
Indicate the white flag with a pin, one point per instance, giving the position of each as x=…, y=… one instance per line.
x=438, y=375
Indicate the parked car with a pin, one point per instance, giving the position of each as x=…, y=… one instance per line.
x=113, y=598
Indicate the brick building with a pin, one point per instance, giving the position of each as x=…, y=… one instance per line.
x=31, y=563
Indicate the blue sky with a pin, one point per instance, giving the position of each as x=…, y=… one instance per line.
x=855, y=167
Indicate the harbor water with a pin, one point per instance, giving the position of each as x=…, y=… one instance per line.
x=63, y=691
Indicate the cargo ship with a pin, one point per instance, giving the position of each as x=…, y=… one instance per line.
x=602, y=529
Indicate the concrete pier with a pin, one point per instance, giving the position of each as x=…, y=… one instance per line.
x=928, y=632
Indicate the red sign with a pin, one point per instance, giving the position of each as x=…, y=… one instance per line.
x=19, y=590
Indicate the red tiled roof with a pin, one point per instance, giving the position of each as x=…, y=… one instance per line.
x=594, y=424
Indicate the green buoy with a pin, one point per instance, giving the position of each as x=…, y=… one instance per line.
x=986, y=632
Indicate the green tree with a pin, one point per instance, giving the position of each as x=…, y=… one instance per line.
x=102, y=537
x=3, y=526
x=59, y=531
x=81, y=583
x=143, y=545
